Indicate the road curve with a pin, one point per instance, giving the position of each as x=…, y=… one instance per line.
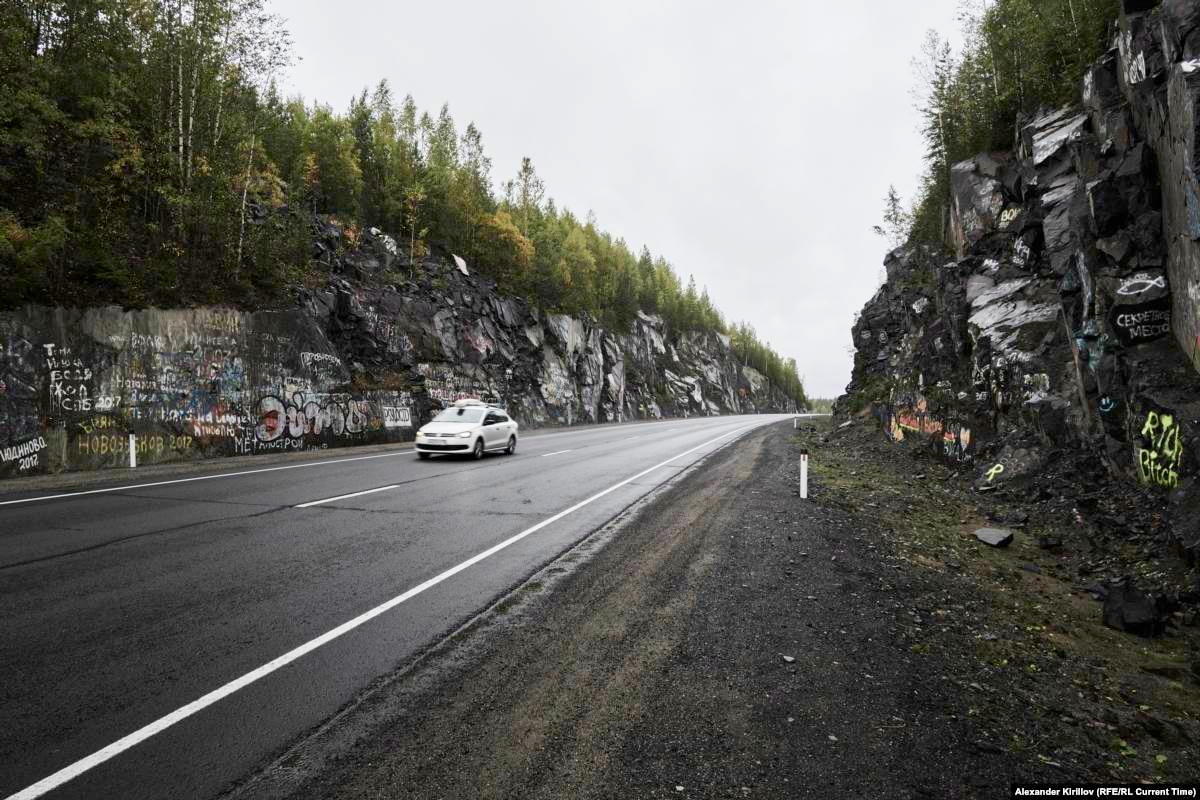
x=273, y=596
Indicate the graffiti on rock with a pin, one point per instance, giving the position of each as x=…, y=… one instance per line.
x=397, y=417
x=1160, y=453
x=187, y=384
x=1022, y=253
x=1011, y=464
x=69, y=382
x=310, y=359
x=956, y=443
x=445, y=386
x=25, y=455
x=1142, y=308
x=309, y=416
x=1142, y=323
x=914, y=418
x=1141, y=283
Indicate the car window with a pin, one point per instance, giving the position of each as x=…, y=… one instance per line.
x=466, y=416
x=501, y=417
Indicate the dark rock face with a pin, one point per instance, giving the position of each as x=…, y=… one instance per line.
x=1068, y=323
x=366, y=359
x=1133, y=611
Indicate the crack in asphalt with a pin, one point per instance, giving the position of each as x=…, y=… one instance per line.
x=131, y=537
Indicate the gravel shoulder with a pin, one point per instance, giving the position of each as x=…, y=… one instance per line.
x=727, y=639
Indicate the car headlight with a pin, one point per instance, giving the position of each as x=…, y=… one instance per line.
x=420, y=434
x=465, y=435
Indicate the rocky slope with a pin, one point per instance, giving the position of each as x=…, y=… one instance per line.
x=1056, y=354
x=365, y=358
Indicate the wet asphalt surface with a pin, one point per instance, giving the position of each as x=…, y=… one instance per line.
x=121, y=607
x=724, y=640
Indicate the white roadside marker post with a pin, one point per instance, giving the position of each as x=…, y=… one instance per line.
x=795, y=423
x=804, y=474
x=133, y=451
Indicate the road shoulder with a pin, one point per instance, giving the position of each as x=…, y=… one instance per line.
x=727, y=638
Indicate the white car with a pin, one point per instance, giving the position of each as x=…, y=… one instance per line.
x=468, y=427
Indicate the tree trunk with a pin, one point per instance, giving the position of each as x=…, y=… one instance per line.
x=237, y=266
x=179, y=93
x=197, y=53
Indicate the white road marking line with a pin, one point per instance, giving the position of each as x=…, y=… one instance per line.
x=347, y=496
x=159, y=725
x=594, y=429
x=201, y=478
x=555, y=453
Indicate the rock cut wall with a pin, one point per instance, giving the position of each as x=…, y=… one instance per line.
x=363, y=360
x=1066, y=325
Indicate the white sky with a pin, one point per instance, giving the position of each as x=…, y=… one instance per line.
x=750, y=144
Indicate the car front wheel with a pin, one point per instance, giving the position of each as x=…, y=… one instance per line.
x=512, y=445
x=478, y=451
x=423, y=456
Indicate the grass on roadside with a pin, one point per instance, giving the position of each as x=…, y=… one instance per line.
x=1042, y=671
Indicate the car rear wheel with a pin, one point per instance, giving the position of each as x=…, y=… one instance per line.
x=478, y=451
x=512, y=445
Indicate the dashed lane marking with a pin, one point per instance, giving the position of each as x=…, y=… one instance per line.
x=159, y=725
x=347, y=496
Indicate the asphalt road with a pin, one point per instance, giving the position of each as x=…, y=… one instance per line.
x=123, y=607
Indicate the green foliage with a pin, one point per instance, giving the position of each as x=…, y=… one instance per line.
x=782, y=373
x=146, y=157
x=896, y=221
x=130, y=138
x=1018, y=56
x=821, y=405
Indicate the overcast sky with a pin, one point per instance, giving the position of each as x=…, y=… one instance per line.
x=750, y=144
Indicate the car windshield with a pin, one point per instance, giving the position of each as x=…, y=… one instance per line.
x=466, y=416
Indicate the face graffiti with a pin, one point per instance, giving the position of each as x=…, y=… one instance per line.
x=186, y=385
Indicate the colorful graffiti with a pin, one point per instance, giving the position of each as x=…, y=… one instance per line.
x=1160, y=454
x=1012, y=464
x=956, y=444
x=914, y=418
x=186, y=383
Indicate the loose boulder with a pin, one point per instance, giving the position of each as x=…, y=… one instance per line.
x=1128, y=609
x=996, y=537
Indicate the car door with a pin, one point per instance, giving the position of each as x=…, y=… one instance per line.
x=493, y=431
x=503, y=429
